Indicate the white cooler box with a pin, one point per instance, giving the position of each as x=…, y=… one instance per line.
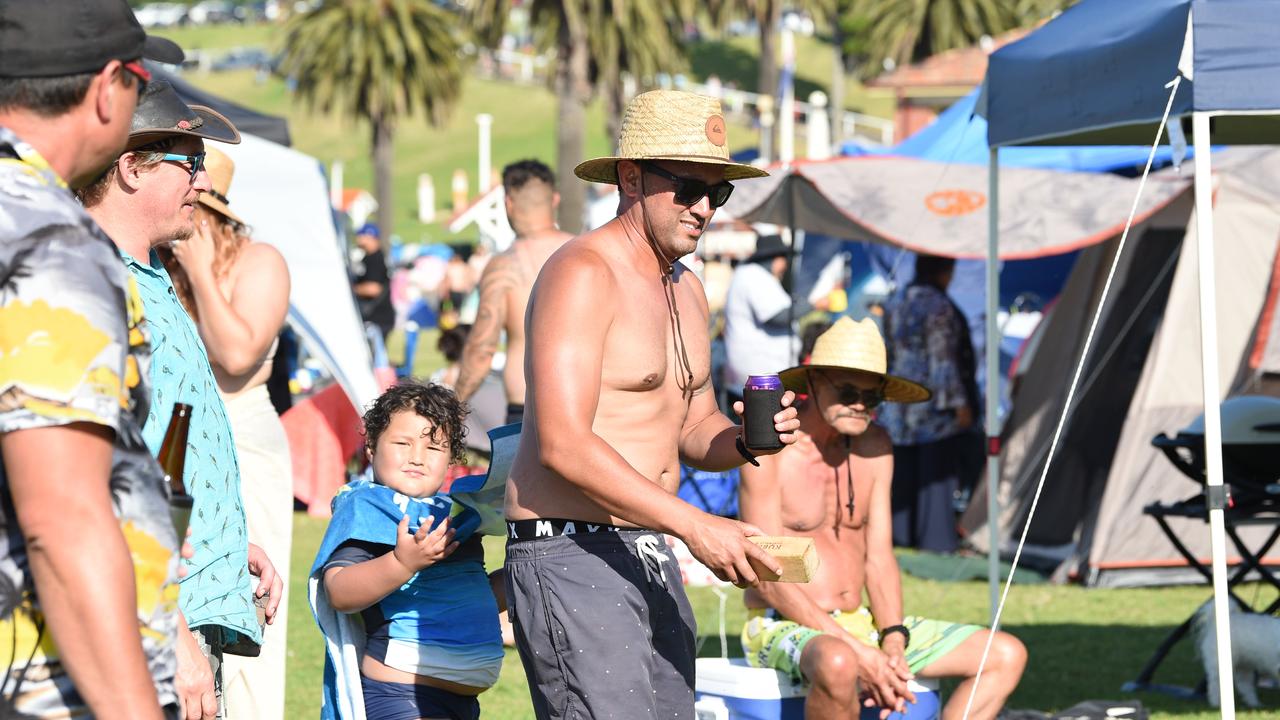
x=732, y=690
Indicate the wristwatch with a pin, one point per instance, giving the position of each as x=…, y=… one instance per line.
x=906, y=634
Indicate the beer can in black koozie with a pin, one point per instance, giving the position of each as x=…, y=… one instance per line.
x=761, y=400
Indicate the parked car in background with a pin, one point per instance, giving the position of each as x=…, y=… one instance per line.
x=244, y=58
x=255, y=12
x=211, y=11
x=161, y=14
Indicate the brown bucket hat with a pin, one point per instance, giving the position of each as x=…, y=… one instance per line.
x=161, y=114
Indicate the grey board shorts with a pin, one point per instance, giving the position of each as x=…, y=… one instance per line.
x=603, y=626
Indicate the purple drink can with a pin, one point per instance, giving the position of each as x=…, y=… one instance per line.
x=761, y=400
x=764, y=382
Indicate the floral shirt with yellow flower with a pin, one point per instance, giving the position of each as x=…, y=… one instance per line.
x=74, y=348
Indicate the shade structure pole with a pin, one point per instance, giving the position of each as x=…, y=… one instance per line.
x=993, y=378
x=1212, y=414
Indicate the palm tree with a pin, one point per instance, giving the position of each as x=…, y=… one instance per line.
x=838, y=15
x=905, y=31
x=767, y=15
x=560, y=25
x=377, y=60
x=637, y=38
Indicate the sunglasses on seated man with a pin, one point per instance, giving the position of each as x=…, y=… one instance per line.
x=850, y=394
x=688, y=191
x=196, y=161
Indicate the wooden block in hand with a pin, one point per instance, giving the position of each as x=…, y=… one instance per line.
x=797, y=555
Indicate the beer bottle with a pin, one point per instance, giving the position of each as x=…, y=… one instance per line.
x=173, y=455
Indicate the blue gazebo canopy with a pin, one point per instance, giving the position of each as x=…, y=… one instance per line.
x=1096, y=75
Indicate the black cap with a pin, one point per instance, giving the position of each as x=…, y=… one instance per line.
x=51, y=38
x=767, y=247
x=161, y=113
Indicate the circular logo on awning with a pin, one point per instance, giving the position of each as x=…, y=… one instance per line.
x=954, y=202
x=715, y=130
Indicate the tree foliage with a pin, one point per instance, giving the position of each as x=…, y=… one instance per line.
x=376, y=58
x=906, y=31
x=594, y=43
x=380, y=61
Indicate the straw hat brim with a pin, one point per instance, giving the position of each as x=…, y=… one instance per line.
x=605, y=169
x=896, y=389
x=216, y=205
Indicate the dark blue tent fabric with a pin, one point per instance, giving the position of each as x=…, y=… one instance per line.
x=1103, y=65
x=960, y=136
x=818, y=251
x=1237, y=50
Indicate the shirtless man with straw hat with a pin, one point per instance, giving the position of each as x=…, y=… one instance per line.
x=833, y=485
x=618, y=394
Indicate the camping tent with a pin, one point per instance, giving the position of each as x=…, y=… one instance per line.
x=1105, y=72
x=1137, y=383
x=959, y=136
x=935, y=208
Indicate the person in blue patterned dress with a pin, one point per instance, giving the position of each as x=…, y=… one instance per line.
x=929, y=343
x=88, y=562
x=146, y=198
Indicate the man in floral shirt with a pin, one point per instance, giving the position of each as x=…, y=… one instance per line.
x=929, y=343
x=88, y=591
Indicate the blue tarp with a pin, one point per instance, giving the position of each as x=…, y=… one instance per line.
x=960, y=136
x=1099, y=70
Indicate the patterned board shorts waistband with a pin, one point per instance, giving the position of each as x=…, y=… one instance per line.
x=536, y=528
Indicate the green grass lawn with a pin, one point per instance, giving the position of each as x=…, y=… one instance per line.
x=1083, y=643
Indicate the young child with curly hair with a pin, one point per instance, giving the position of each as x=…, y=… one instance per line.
x=396, y=556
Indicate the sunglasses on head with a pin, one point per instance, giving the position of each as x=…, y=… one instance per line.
x=850, y=394
x=688, y=191
x=196, y=161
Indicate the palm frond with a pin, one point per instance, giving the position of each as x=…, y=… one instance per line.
x=376, y=58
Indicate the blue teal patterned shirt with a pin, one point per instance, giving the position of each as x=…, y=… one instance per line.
x=927, y=337
x=217, y=589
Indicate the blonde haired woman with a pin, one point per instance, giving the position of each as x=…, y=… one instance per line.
x=237, y=291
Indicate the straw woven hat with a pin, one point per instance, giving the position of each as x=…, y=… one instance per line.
x=670, y=125
x=220, y=169
x=850, y=345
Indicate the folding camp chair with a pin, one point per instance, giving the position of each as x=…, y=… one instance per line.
x=713, y=492
x=1253, y=502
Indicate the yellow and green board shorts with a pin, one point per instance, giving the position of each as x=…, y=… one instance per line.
x=770, y=641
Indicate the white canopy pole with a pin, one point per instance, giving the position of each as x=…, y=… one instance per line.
x=1215, y=492
x=993, y=377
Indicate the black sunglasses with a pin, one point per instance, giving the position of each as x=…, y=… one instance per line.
x=689, y=191
x=850, y=394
